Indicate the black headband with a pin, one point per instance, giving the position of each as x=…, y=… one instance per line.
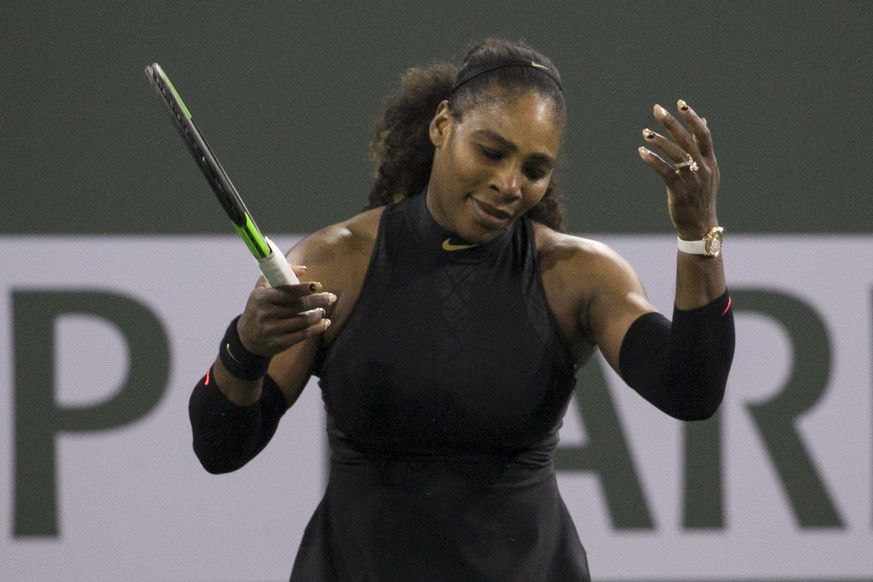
x=472, y=72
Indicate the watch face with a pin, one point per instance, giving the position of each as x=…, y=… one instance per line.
x=714, y=242
x=713, y=247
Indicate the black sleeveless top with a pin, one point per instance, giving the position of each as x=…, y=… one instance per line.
x=444, y=393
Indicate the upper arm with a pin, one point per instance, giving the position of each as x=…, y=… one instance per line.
x=337, y=257
x=616, y=301
x=292, y=369
x=594, y=293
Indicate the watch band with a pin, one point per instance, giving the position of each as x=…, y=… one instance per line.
x=692, y=247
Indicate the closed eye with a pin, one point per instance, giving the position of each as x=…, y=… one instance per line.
x=534, y=173
x=491, y=154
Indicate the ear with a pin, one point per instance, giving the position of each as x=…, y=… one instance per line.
x=441, y=124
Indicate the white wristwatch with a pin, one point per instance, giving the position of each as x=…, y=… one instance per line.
x=709, y=246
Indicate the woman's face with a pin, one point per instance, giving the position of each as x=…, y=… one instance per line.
x=492, y=165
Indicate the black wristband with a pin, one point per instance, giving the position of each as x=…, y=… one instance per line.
x=237, y=359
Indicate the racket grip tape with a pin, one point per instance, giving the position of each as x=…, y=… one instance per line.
x=275, y=267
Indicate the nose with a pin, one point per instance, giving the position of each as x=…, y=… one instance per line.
x=507, y=182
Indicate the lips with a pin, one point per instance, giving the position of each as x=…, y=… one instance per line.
x=492, y=212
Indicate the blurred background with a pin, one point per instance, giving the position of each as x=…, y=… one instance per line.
x=288, y=93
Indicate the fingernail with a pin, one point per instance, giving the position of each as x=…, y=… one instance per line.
x=315, y=287
x=331, y=298
x=682, y=105
x=327, y=322
x=643, y=151
x=648, y=133
x=660, y=112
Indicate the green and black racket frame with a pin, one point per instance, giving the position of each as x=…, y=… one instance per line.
x=270, y=259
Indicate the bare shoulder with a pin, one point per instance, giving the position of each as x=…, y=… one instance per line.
x=565, y=255
x=338, y=244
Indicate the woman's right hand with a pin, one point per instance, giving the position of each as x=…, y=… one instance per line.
x=277, y=318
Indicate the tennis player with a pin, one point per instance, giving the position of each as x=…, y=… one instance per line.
x=446, y=324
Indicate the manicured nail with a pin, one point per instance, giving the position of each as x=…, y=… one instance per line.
x=315, y=287
x=648, y=133
x=682, y=105
x=660, y=112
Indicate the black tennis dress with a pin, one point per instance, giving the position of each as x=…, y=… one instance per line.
x=444, y=394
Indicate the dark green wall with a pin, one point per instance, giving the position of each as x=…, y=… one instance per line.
x=287, y=93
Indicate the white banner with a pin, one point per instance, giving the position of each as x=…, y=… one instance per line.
x=104, y=337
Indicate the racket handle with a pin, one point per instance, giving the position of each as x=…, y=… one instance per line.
x=276, y=268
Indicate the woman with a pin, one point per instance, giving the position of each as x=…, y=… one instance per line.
x=446, y=323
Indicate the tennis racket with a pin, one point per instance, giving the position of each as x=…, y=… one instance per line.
x=270, y=259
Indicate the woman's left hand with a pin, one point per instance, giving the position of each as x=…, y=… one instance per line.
x=688, y=169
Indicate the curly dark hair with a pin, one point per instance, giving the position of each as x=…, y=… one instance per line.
x=401, y=149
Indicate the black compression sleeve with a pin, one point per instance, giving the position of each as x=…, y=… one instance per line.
x=682, y=368
x=227, y=436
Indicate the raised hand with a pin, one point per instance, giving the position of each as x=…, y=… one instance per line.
x=688, y=168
